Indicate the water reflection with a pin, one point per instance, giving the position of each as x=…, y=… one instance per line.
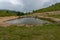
x=27, y=21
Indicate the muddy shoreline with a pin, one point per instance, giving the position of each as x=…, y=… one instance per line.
x=2, y=19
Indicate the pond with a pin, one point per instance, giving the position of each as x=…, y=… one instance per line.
x=27, y=21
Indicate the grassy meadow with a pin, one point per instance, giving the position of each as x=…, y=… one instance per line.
x=42, y=32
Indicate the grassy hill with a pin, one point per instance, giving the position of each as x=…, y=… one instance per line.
x=55, y=7
x=10, y=13
x=7, y=13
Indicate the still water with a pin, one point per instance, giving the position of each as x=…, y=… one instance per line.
x=27, y=21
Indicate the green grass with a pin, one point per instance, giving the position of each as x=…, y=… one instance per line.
x=44, y=32
x=4, y=13
x=7, y=13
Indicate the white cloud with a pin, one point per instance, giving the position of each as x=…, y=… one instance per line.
x=45, y=0
x=16, y=2
x=25, y=5
x=34, y=4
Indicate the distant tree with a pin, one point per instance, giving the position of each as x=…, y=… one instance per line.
x=7, y=11
x=33, y=11
x=20, y=14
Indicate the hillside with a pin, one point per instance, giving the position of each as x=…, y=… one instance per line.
x=55, y=7
x=10, y=13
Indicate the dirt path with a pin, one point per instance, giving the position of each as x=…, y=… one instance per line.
x=7, y=18
x=2, y=19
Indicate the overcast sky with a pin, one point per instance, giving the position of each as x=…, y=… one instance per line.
x=25, y=5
